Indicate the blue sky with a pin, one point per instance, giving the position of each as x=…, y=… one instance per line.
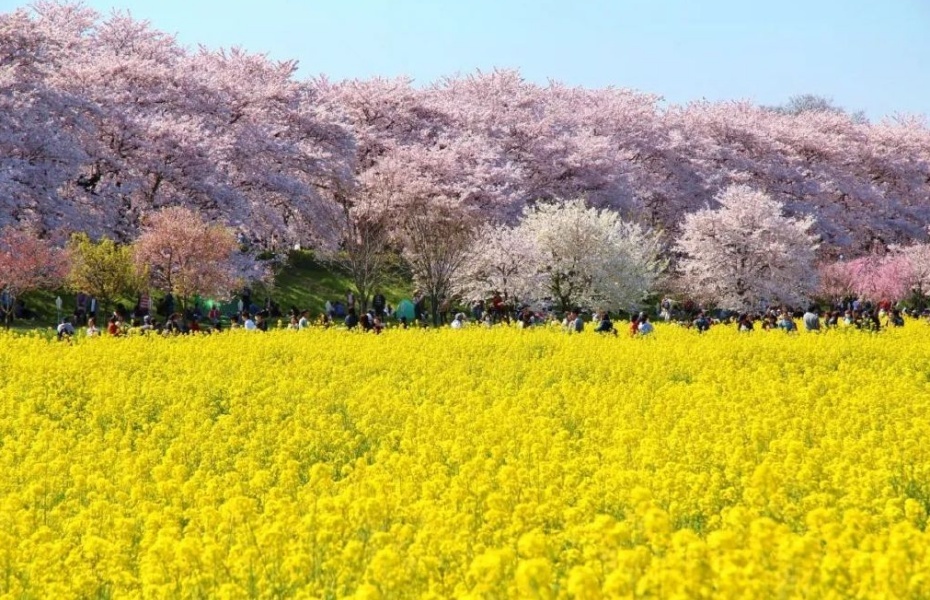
x=869, y=55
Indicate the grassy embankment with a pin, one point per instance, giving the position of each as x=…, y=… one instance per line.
x=304, y=282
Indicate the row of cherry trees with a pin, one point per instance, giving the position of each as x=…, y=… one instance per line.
x=497, y=143
x=176, y=252
x=105, y=121
x=745, y=254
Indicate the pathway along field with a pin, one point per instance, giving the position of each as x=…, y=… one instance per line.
x=486, y=463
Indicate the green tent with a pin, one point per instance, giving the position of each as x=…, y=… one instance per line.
x=405, y=309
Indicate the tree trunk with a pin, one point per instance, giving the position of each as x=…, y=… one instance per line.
x=434, y=308
x=364, y=297
x=8, y=312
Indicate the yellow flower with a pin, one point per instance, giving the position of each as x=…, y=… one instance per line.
x=485, y=463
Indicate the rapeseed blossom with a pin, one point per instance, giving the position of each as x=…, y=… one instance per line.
x=475, y=463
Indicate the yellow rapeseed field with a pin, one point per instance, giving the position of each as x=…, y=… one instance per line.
x=478, y=463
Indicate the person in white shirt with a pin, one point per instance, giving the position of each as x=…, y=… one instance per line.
x=645, y=327
x=458, y=321
x=65, y=329
x=249, y=324
x=304, y=321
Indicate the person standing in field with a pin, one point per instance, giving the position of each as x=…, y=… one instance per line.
x=811, y=319
x=896, y=319
x=113, y=326
x=351, y=319
x=786, y=323
x=606, y=325
x=666, y=312
x=214, y=315
x=81, y=311
x=378, y=303
x=350, y=300
x=497, y=307
x=477, y=310
x=578, y=323
x=444, y=306
x=701, y=323
x=634, y=324
x=419, y=308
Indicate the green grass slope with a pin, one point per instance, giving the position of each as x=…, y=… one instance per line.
x=303, y=282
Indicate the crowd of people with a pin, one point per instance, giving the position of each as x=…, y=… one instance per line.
x=197, y=317
x=862, y=316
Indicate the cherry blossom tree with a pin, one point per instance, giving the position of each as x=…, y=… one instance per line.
x=889, y=276
x=182, y=254
x=27, y=263
x=590, y=257
x=127, y=121
x=746, y=253
x=555, y=141
x=420, y=179
x=918, y=258
x=835, y=281
x=880, y=277
x=500, y=260
x=435, y=237
x=40, y=125
x=408, y=146
x=365, y=251
x=817, y=162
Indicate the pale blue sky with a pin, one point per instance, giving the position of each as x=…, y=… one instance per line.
x=872, y=55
